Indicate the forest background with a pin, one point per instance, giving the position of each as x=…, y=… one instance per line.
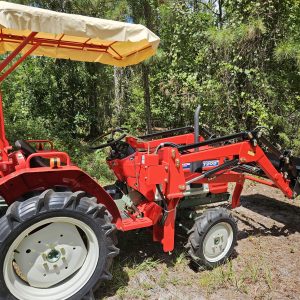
x=239, y=59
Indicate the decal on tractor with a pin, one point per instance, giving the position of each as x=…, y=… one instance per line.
x=186, y=165
x=210, y=163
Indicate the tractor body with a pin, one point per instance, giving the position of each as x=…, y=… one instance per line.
x=162, y=174
x=154, y=176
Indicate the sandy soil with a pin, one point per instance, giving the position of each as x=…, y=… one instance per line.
x=265, y=265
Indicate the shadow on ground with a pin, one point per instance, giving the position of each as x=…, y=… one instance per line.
x=287, y=214
x=136, y=247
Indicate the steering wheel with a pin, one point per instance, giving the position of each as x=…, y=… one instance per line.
x=111, y=141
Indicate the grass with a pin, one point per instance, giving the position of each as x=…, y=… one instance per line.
x=164, y=277
x=132, y=268
x=216, y=278
x=180, y=259
x=153, y=275
x=226, y=276
x=143, y=277
x=122, y=272
x=268, y=277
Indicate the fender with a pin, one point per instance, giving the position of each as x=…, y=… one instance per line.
x=18, y=183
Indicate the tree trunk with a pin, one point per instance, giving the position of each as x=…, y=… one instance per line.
x=220, y=14
x=196, y=5
x=146, y=71
x=118, y=94
x=142, y=11
x=147, y=99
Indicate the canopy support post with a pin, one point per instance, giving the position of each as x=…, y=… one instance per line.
x=4, y=144
x=21, y=59
x=13, y=54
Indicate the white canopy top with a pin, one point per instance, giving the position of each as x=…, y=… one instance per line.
x=74, y=37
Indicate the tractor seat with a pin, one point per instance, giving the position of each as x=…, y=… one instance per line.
x=27, y=149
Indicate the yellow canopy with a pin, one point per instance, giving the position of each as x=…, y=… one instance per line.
x=74, y=37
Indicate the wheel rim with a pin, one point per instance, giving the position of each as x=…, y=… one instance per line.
x=218, y=242
x=51, y=259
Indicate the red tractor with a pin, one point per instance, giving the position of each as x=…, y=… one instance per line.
x=57, y=232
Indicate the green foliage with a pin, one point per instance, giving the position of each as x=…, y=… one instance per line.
x=239, y=59
x=94, y=163
x=288, y=50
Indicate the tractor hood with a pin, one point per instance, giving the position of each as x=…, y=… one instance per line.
x=75, y=37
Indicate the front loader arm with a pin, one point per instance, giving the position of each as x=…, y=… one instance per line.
x=233, y=155
x=245, y=152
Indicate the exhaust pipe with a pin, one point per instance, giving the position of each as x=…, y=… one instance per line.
x=196, y=125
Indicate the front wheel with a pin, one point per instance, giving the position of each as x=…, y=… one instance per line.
x=212, y=238
x=56, y=246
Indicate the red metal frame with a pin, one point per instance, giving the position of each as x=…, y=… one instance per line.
x=87, y=45
x=13, y=54
x=20, y=60
x=16, y=176
x=53, y=154
x=142, y=171
x=41, y=144
x=4, y=144
x=147, y=168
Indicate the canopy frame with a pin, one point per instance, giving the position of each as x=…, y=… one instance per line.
x=25, y=31
x=35, y=42
x=14, y=53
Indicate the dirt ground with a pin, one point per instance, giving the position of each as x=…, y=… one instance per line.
x=265, y=265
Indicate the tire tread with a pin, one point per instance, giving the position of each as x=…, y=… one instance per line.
x=198, y=232
x=51, y=201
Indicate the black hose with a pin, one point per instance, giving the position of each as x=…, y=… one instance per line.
x=166, y=144
x=165, y=206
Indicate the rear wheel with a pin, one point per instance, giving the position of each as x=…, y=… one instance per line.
x=212, y=238
x=57, y=245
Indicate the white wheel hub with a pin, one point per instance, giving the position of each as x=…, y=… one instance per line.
x=217, y=242
x=49, y=260
x=50, y=255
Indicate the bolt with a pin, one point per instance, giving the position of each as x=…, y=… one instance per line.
x=181, y=187
x=173, y=153
x=250, y=135
x=53, y=256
